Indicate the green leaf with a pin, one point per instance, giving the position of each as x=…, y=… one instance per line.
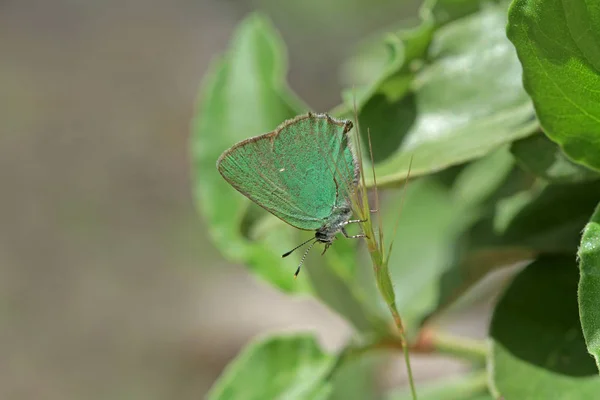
x=544, y=158
x=424, y=246
x=387, y=66
x=278, y=367
x=243, y=95
x=384, y=66
x=481, y=178
x=544, y=218
x=334, y=279
x=355, y=379
x=468, y=387
x=558, y=45
x=475, y=188
x=589, y=285
x=468, y=102
x=538, y=350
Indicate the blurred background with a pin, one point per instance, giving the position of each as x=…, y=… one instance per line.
x=109, y=286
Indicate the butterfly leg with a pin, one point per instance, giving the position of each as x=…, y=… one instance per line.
x=326, y=247
x=354, y=221
x=362, y=235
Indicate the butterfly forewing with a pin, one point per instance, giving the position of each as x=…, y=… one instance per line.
x=296, y=171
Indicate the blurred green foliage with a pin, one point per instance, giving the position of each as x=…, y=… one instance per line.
x=502, y=173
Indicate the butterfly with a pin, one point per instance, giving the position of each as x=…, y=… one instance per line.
x=304, y=172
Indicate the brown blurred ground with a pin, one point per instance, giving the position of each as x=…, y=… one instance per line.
x=109, y=287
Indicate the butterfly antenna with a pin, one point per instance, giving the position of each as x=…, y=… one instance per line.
x=296, y=248
x=303, y=257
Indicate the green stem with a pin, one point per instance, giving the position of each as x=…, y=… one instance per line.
x=405, y=350
x=384, y=283
x=465, y=348
x=380, y=262
x=386, y=289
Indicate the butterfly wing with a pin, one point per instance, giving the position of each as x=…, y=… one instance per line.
x=294, y=172
x=346, y=174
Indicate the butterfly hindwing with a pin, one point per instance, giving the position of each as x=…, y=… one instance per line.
x=295, y=172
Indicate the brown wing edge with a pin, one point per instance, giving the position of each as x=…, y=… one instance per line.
x=347, y=124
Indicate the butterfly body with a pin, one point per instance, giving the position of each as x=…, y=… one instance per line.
x=333, y=224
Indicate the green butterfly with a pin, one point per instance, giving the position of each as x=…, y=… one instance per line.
x=304, y=172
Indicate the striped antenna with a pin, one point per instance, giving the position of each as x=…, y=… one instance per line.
x=303, y=257
x=297, y=247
